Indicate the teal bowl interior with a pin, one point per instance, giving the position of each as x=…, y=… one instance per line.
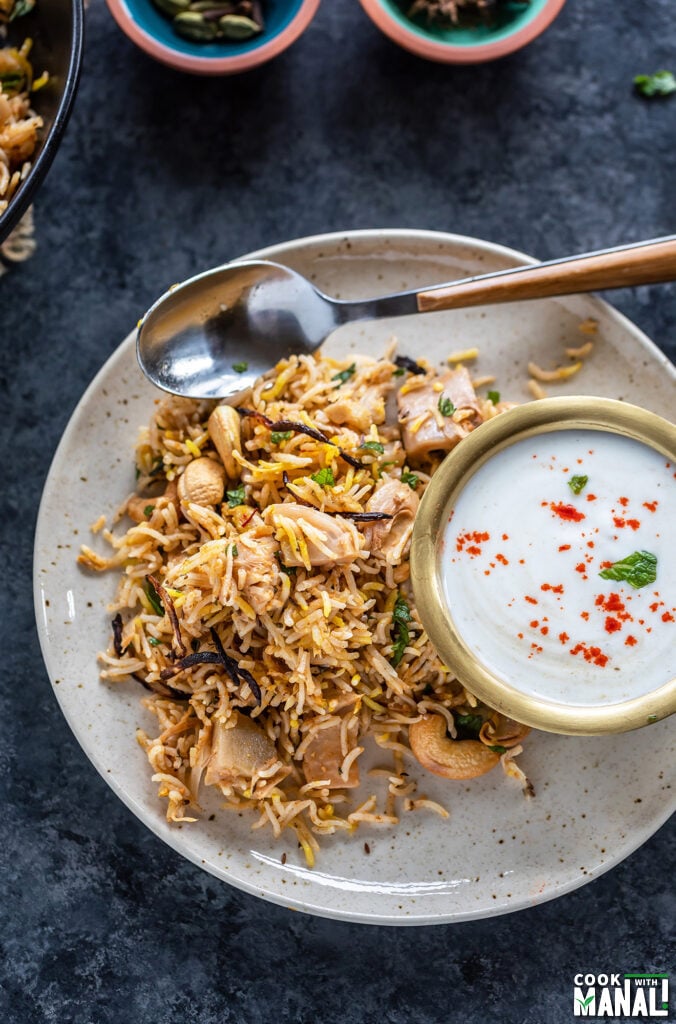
x=514, y=16
x=278, y=15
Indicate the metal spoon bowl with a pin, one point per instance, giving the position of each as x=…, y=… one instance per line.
x=213, y=335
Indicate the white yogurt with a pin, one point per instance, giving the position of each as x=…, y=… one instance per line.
x=520, y=559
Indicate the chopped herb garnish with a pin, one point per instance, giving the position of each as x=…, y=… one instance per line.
x=446, y=407
x=578, y=483
x=153, y=641
x=236, y=497
x=494, y=397
x=345, y=374
x=373, y=446
x=235, y=552
x=288, y=570
x=638, y=570
x=652, y=718
x=153, y=597
x=20, y=8
x=468, y=726
x=498, y=749
x=662, y=83
x=399, y=372
x=148, y=511
x=240, y=367
x=410, y=478
x=277, y=436
x=401, y=616
x=324, y=477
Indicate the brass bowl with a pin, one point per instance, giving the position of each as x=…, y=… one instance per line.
x=534, y=418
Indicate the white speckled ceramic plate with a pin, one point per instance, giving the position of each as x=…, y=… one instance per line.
x=596, y=799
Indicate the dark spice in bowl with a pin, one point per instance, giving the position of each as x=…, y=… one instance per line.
x=460, y=13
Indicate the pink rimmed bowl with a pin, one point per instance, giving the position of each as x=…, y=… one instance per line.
x=521, y=24
x=152, y=31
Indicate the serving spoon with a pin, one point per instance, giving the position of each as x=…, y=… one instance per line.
x=213, y=335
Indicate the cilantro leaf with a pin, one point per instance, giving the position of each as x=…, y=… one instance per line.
x=399, y=372
x=236, y=497
x=446, y=407
x=498, y=749
x=324, y=477
x=401, y=616
x=578, y=483
x=638, y=570
x=661, y=83
x=410, y=478
x=148, y=511
x=153, y=641
x=277, y=436
x=493, y=396
x=344, y=374
x=373, y=446
x=240, y=367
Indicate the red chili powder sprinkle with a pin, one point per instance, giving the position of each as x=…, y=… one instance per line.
x=591, y=654
x=612, y=625
x=535, y=624
x=531, y=600
x=654, y=606
x=564, y=638
x=564, y=547
x=466, y=538
x=623, y=501
x=590, y=543
x=585, y=616
x=631, y=523
x=520, y=636
x=631, y=641
x=667, y=617
x=501, y=559
x=580, y=567
x=651, y=505
x=505, y=536
x=606, y=565
x=544, y=630
x=567, y=512
x=558, y=589
x=591, y=497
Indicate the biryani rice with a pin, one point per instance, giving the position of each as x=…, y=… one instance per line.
x=313, y=609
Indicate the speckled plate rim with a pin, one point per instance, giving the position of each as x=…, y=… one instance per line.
x=526, y=421
x=313, y=903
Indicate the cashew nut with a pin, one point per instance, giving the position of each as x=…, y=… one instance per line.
x=224, y=430
x=137, y=507
x=452, y=759
x=202, y=482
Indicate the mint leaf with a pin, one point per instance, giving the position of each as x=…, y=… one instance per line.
x=494, y=397
x=661, y=83
x=469, y=724
x=410, y=478
x=638, y=570
x=578, y=483
x=277, y=436
x=344, y=374
x=373, y=446
x=401, y=616
x=236, y=497
x=240, y=367
x=324, y=477
x=148, y=511
x=446, y=407
x=153, y=597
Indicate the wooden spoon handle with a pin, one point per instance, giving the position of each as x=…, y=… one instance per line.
x=651, y=262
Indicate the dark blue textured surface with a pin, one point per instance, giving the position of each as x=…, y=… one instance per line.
x=161, y=175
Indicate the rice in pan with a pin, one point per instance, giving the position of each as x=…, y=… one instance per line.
x=265, y=603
